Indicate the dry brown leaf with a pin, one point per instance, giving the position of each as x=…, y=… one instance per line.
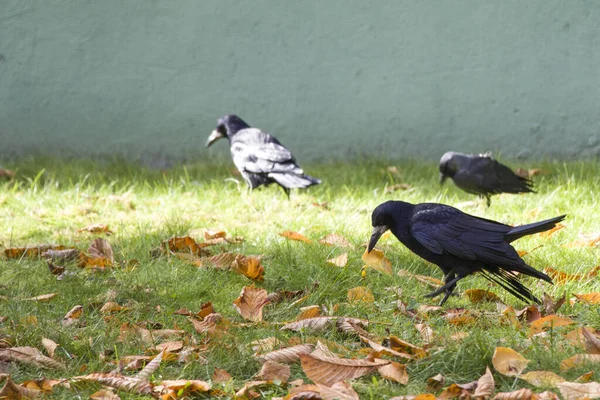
x=453, y=391
x=585, y=241
x=151, y=367
x=336, y=240
x=360, y=294
x=265, y=345
x=313, y=324
x=183, y=244
x=147, y=336
x=291, y=235
x=479, y=295
x=377, y=261
x=542, y=378
x=579, y=360
x=402, y=346
x=591, y=342
x=485, y=385
x=339, y=261
x=528, y=173
x=119, y=382
x=249, y=267
x=427, y=334
x=208, y=324
x=72, y=316
x=585, y=377
x=62, y=255
x=221, y=376
x=111, y=307
x=183, y=387
x=560, y=277
x=550, y=305
x=328, y=370
x=309, y=312
x=550, y=232
x=96, y=228
x=511, y=316
x=44, y=385
x=529, y=314
x=428, y=280
x=30, y=252
x=508, y=362
x=30, y=356
x=50, y=346
x=6, y=173
x=572, y=391
x=589, y=298
x=287, y=355
x=173, y=346
x=105, y=394
x=386, y=350
x=219, y=261
x=214, y=234
x=521, y=394
x=394, y=372
x=395, y=187
x=550, y=321
x=100, y=248
x=42, y=297
x=547, y=395
x=12, y=391
x=337, y=391
x=274, y=371
x=251, y=302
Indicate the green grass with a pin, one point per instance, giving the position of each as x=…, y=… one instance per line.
x=50, y=200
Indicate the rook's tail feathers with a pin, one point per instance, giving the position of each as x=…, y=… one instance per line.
x=509, y=282
x=292, y=181
x=530, y=229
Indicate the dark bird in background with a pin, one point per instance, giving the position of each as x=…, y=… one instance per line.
x=481, y=174
x=460, y=244
x=259, y=156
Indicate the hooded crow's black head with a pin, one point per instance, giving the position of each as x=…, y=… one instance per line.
x=227, y=126
x=449, y=165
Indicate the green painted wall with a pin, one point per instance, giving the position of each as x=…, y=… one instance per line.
x=414, y=78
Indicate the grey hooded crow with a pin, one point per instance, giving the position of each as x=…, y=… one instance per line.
x=481, y=174
x=460, y=244
x=259, y=156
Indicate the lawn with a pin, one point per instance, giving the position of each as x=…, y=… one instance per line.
x=50, y=201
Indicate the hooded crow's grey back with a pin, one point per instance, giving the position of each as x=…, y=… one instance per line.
x=460, y=244
x=259, y=156
x=481, y=174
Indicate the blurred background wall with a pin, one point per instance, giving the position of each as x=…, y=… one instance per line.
x=332, y=79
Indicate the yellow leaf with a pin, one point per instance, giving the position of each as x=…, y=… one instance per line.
x=42, y=297
x=377, y=260
x=572, y=391
x=590, y=298
x=309, y=312
x=547, y=322
x=548, y=233
x=508, y=362
x=339, y=261
x=579, y=360
x=336, y=240
x=542, y=378
x=360, y=294
x=96, y=228
x=485, y=385
x=394, y=372
x=110, y=307
x=291, y=235
x=220, y=376
x=214, y=234
x=249, y=267
x=479, y=295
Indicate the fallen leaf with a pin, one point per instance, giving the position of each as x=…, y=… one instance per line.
x=528, y=173
x=560, y=277
x=6, y=173
x=72, y=316
x=436, y=382
x=394, y=372
x=337, y=391
x=521, y=394
x=377, y=261
x=529, y=314
x=453, y=391
x=591, y=342
x=111, y=307
x=221, y=376
x=313, y=324
x=173, y=346
x=584, y=241
x=309, y=312
x=29, y=356
x=219, y=261
x=247, y=391
x=50, y=346
x=360, y=294
x=96, y=228
x=579, y=360
x=339, y=261
x=151, y=367
x=548, y=322
x=12, y=391
x=291, y=235
x=508, y=362
x=485, y=385
x=479, y=295
x=208, y=324
x=105, y=394
x=214, y=234
x=42, y=297
x=542, y=378
x=398, y=344
x=590, y=298
x=62, y=255
x=336, y=240
x=585, y=377
x=249, y=267
x=428, y=280
x=100, y=248
x=30, y=252
x=572, y=391
x=183, y=387
x=386, y=350
x=550, y=305
x=427, y=334
x=120, y=382
x=251, y=302
x=547, y=395
x=185, y=244
x=328, y=370
x=272, y=371
x=287, y=355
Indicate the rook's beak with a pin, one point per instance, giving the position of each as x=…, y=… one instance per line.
x=377, y=232
x=442, y=178
x=214, y=136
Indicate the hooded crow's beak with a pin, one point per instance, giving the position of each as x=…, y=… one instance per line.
x=377, y=232
x=214, y=136
x=442, y=178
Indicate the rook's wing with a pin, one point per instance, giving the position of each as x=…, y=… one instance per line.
x=493, y=177
x=256, y=151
